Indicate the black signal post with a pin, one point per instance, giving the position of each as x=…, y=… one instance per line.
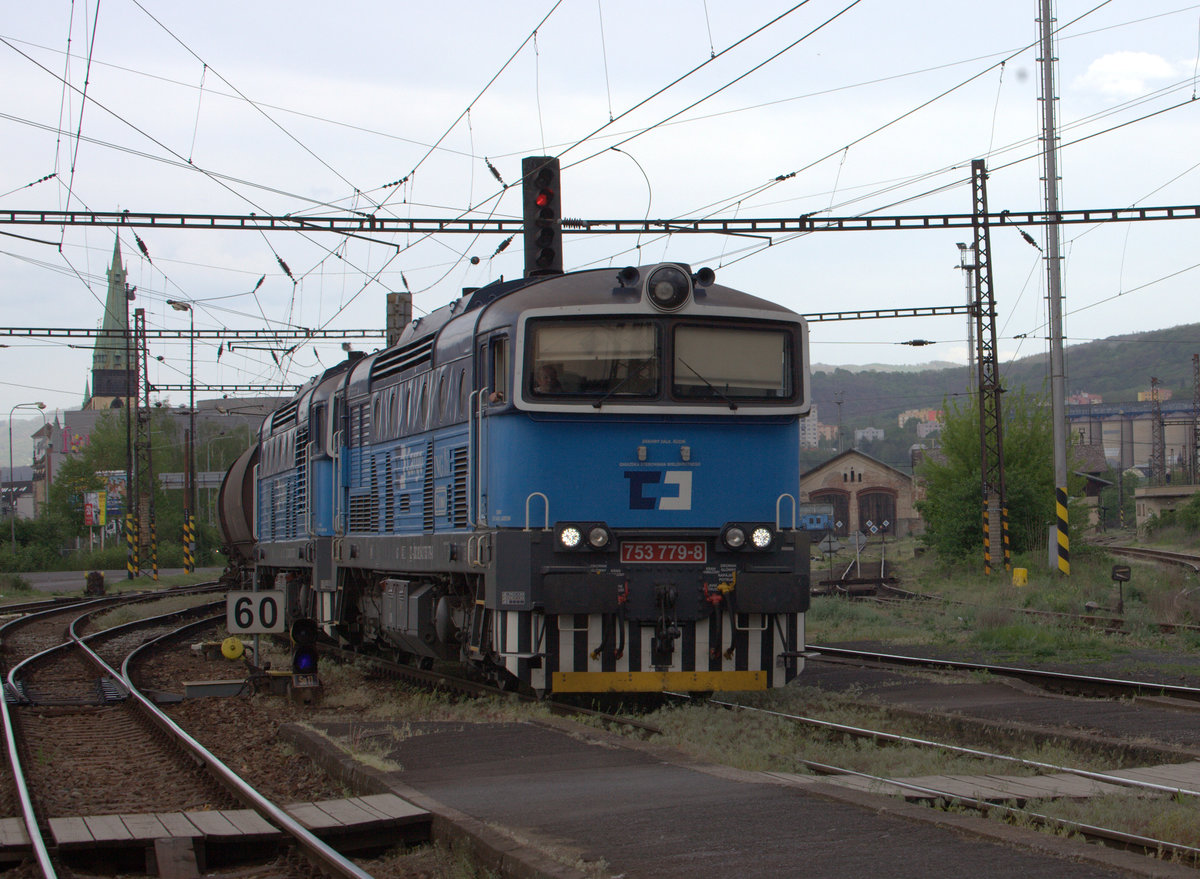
x=542, y=203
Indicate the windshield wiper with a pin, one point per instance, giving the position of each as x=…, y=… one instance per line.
x=635, y=374
x=711, y=387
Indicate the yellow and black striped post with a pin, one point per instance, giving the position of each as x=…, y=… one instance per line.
x=1004, y=538
x=987, y=539
x=131, y=563
x=154, y=549
x=1064, y=540
x=189, y=542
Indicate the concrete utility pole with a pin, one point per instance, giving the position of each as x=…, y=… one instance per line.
x=1058, y=380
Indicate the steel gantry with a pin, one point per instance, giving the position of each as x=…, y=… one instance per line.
x=991, y=427
x=359, y=223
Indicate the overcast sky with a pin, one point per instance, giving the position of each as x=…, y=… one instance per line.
x=876, y=106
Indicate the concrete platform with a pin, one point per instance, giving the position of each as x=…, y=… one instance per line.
x=553, y=799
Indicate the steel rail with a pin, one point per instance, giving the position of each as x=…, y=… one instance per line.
x=37, y=841
x=1157, y=555
x=323, y=854
x=1037, y=675
x=41, y=854
x=28, y=814
x=896, y=738
x=1149, y=844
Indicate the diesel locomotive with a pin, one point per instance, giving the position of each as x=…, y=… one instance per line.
x=574, y=483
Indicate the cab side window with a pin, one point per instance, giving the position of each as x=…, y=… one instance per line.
x=498, y=369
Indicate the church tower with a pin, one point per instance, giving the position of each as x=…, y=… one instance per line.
x=114, y=354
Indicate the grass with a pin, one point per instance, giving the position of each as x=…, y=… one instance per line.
x=14, y=587
x=971, y=611
x=1170, y=819
x=141, y=610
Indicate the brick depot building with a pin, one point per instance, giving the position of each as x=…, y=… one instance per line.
x=863, y=489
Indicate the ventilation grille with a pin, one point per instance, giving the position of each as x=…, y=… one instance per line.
x=418, y=353
x=285, y=416
x=458, y=496
x=427, y=518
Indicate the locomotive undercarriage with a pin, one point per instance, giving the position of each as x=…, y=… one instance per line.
x=511, y=604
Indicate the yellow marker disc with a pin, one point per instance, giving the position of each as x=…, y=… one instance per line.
x=231, y=648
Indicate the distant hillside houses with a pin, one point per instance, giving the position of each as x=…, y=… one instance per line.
x=922, y=416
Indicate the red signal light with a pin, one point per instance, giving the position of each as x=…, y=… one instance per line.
x=543, y=198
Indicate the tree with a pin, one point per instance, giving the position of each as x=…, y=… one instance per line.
x=953, y=504
x=217, y=448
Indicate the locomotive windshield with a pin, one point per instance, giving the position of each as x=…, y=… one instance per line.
x=732, y=363
x=638, y=360
x=591, y=358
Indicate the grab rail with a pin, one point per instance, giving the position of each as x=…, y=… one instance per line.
x=546, y=509
x=778, y=501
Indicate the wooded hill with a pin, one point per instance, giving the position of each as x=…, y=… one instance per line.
x=1116, y=368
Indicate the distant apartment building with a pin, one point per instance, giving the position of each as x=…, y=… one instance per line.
x=810, y=429
x=925, y=428
x=868, y=435
x=1164, y=394
x=1083, y=398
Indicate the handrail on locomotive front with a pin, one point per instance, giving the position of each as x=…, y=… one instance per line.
x=546, y=510
x=778, y=501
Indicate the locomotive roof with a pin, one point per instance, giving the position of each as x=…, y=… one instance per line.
x=452, y=327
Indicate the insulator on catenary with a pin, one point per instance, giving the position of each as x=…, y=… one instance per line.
x=495, y=173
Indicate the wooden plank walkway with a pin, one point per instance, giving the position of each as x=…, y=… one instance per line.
x=1008, y=788
x=378, y=816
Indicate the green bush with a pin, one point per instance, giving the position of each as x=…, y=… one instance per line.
x=14, y=584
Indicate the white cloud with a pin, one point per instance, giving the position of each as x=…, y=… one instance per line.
x=1125, y=74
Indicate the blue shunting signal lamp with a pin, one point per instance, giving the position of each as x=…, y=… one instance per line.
x=304, y=633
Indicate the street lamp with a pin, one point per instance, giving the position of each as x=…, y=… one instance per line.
x=968, y=264
x=11, y=477
x=190, y=503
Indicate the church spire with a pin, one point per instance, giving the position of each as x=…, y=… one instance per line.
x=111, y=374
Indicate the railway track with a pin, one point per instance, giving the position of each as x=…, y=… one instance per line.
x=1162, y=556
x=951, y=794
x=78, y=731
x=1056, y=681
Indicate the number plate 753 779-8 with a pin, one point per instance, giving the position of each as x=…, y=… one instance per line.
x=671, y=552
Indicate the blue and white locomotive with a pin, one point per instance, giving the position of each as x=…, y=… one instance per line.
x=580, y=482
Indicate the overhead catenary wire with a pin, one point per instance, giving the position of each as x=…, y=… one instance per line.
x=407, y=267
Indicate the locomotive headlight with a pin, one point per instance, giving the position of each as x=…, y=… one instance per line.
x=734, y=537
x=598, y=537
x=570, y=537
x=761, y=537
x=668, y=287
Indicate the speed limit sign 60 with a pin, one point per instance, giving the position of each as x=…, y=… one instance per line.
x=254, y=613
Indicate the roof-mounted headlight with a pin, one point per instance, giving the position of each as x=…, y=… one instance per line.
x=668, y=288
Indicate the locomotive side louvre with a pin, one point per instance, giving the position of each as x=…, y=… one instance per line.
x=431, y=499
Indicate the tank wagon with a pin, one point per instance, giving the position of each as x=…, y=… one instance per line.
x=583, y=482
